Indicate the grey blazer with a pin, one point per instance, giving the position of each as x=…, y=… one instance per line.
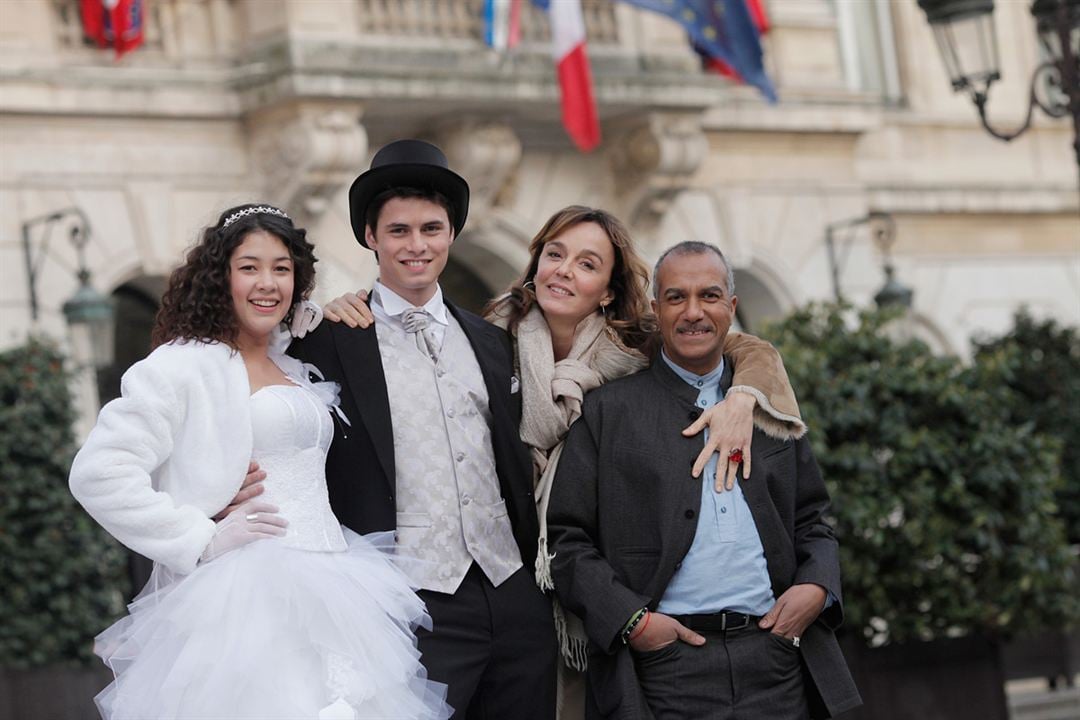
x=624, y=511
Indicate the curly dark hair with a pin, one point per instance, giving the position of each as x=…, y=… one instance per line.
x=197, y=304
x=629, y=313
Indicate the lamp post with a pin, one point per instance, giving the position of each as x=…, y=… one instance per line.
x=89, y=314
x=883, y=229
x=964, y=32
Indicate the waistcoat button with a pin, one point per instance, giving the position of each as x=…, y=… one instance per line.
x=690, y=514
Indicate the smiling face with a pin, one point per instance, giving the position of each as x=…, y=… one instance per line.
x=694, y=309
x=573, y=273
x=412, y=237
x=261, y=283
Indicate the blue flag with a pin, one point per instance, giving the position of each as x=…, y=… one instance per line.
x=720, y=30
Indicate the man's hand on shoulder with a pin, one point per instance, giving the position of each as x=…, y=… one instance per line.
x=657, y=630
x=351, y=309
x=795, y=610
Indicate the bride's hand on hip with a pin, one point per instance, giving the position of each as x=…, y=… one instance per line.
x=351, y=309
x=731, y=426
x=251, y=487
x=251, y=521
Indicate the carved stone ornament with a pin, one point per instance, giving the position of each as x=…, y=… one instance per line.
x=653, y=161
x=306, y=154
x=487, y=155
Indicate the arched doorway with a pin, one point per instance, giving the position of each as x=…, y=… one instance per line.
x=136, y=303
x=464, y=287
x=758, y=304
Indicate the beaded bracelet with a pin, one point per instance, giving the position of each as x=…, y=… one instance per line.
x=640, y=629
x=633, y=623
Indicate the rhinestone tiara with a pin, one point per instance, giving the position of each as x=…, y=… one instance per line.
x=263, y=209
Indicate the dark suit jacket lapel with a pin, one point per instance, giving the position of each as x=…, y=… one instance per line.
x=358, y=351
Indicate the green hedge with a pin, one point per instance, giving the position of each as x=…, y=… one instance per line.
x=1040, y=362
x=62, y=578
x=943, y=503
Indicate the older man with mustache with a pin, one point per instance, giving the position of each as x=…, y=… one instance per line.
x=698, y=603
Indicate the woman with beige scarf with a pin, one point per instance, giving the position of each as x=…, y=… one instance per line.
x=580, y=316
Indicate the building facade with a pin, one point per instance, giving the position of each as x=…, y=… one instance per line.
x=284, y=101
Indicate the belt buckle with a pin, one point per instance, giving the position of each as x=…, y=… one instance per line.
x=724, y=621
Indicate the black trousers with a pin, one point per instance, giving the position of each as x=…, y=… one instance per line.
x=744, y=674
x=494, y=647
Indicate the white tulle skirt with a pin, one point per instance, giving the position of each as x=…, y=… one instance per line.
x=269, y=631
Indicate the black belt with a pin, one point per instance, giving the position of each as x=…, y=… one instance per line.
x=721, y=621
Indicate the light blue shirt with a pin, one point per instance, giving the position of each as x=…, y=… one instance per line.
x=725, y=568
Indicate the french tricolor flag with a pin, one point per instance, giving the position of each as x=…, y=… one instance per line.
x=502, y=24
x=572, y=63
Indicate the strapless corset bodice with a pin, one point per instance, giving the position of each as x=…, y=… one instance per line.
x=291, y=431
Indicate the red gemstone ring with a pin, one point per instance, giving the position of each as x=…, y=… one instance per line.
x=735, y=456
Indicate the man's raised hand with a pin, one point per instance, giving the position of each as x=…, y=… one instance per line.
x=351, y=309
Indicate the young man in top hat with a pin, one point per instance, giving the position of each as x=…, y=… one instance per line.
x=433, y=451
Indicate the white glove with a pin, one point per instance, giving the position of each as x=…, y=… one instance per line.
x=254, y=520
x=306, y=317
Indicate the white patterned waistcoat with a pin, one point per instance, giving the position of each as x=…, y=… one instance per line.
x=450, y=511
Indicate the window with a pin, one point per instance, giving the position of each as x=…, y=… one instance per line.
x=867, y=47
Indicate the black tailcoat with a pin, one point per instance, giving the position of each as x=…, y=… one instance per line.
x=360, y=469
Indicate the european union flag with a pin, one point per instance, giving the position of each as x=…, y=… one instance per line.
x=721, y=30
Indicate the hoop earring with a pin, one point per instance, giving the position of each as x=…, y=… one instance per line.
x=529, y=284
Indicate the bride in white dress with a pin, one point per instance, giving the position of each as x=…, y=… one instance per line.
x=275, y=611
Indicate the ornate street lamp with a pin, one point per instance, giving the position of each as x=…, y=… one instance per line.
x=965, y=36
x=894, y=293
x=883, y=229
x=89, y=314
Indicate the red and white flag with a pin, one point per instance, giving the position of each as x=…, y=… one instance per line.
x=572, y=64
x=114, y=23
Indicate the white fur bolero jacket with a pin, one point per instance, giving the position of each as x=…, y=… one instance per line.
x=169, y=453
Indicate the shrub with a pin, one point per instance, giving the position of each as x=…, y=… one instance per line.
x=1040, y=363
x=62, y=578
x=944, y=507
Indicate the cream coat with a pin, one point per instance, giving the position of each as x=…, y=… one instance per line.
x=168, y=454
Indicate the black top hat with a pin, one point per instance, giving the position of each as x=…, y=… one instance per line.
x=407, y=163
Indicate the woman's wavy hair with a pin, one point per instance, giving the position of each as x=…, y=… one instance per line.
x=629, y=314
x=197, y=304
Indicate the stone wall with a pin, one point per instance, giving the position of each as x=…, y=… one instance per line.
x=284, y=101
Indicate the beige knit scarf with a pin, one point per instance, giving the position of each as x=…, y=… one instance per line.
x=552, y=393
